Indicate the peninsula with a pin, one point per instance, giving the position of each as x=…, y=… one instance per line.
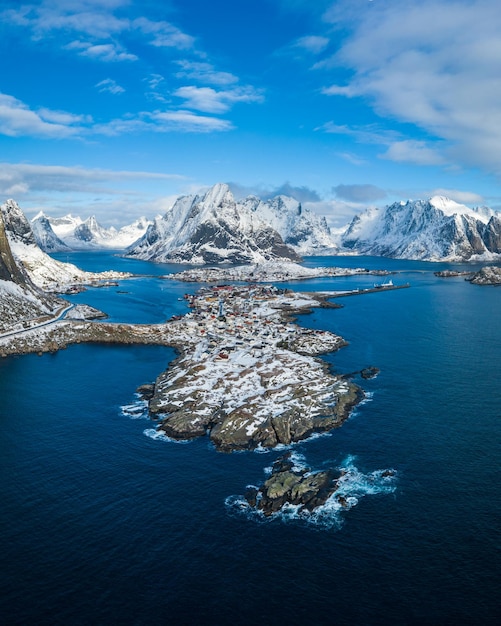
x=246, y=374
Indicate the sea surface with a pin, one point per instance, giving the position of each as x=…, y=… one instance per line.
x=102, y=522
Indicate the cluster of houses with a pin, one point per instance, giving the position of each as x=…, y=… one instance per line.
x=230, y=318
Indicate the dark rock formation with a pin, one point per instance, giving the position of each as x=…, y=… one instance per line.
x=290, y=485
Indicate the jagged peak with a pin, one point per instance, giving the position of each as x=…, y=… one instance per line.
x=218, y=193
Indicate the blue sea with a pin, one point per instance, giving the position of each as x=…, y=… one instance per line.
x=104, y=523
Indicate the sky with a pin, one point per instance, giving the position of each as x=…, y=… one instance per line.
x=114, y=108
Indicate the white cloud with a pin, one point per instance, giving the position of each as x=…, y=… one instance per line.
x=17, y=120
x=359, y=193
x=110, y=86
x=115, y=197
x=354, y=159
x=204, y=73
x=370, y=133
x=164, y=34
x=209, y=100
x=312, y=43
x=97, y=23
x=340, y=90
x=434, y=64
x=101, y=52
x=463, y=197
x=411, y=151
x=188, y=122
x=36, y=178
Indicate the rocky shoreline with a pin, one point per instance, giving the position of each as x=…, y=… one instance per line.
x=253, y=379
x=488, y=275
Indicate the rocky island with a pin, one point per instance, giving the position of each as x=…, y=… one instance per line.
x=488, y=275
x=294, y=485
x=267, y=271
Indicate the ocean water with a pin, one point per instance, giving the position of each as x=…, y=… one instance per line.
x=103, y=523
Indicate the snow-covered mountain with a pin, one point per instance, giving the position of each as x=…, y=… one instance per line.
x=20, y=299
x=434, y=230
x=45, y=236
x=215, y=228
x=45, y=272
x=77, y=234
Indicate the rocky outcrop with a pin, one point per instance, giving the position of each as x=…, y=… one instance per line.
x=489, y=275
x=9, y=270
x=295, y=486
x=249, y=378
x=21, y=301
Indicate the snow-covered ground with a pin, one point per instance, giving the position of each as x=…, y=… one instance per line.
x=271, y=271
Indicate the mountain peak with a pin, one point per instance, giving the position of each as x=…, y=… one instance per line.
x=215, y=228
x=219, y=193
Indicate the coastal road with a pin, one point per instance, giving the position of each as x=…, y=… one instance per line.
x=53, y=320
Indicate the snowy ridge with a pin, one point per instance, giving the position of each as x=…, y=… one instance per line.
x=43, y=270
x=77, y=234
x=215, y=228
x=433, y=230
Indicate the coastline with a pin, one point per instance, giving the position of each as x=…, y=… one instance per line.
x=246, y=374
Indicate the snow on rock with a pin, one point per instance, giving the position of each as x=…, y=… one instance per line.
x=78, y=234
x=21, y=301
x=43, y=270
x=215, y=228
x=269, y=271
x=489, y=275
x=434, y=230
x=45, y=236
x=249, y=376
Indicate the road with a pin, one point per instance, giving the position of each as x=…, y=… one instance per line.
x=53, y=320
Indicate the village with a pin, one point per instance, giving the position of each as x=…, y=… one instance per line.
x=233, y=317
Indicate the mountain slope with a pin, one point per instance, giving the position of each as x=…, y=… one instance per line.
x=215, y=228
x=20, y=299
x=433, y=230
x=43, y=270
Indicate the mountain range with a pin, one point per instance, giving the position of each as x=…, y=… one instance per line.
x=56, y=234
x=438, y=229
x=214, y=227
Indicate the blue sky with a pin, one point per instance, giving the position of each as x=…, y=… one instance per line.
x=115, y=107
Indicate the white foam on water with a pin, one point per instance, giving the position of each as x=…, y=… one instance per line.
x=158, y=435
x=283, y=447
x=136, y=410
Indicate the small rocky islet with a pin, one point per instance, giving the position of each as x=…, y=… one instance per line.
x=299, y=486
